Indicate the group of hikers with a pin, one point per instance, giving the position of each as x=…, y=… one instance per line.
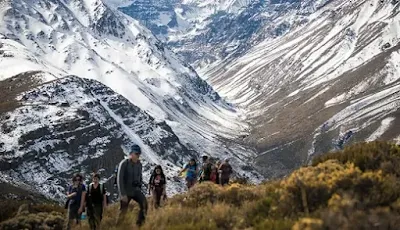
x=129, y=182
x=218, y=173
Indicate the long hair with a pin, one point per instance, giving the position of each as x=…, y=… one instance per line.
x=154, y=174
x=195, y=163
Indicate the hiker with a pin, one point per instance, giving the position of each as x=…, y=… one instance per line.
x=218, y=178
x=129, y=185
x=214, y=174
x=75, y=201
x=343, y=140
x=205, y=169
x=157, y=186
x=96, y=202
x=191, y=173
x=225, y=171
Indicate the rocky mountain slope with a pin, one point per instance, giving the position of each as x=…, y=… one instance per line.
x=203, y=32
x=311, y=75
x=336, y=76
x=135, y=91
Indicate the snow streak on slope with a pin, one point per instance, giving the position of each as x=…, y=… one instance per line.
x=73, y=124
x=334, y=74
x=206, y=31
x=90, y=40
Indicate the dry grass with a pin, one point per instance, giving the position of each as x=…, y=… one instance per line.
x=344, y=190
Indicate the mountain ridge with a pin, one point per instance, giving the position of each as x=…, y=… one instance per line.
x=131, y=89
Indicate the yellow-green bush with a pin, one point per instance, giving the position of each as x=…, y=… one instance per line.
x=368, y=156
x=318, y=184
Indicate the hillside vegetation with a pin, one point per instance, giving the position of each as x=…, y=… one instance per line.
x=358, y=188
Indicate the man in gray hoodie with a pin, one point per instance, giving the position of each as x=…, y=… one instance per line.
x=129, y=181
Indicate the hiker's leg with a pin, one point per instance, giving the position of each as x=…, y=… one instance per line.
x=98, y=214
x=123, y=208
x=225, y=181
x=92, y=222
x=91, y=218
x=71, y=216
x=159, y=192
x=67, y=223
x=154, y=198
x=141, y=200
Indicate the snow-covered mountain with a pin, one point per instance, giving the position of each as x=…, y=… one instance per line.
x=203, y=32
x=307, y=73
x=306, y=90
x=135, y=91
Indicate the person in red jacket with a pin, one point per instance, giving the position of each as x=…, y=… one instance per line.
x=214, y=175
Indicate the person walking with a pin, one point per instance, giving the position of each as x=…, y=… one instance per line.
x=157, y=186
x=214, y=174
x=191, y=173
x=130, y=182
x=96, y=202
x=75, y=201
x=225, y=171
x=218, y=178
x=206, y=169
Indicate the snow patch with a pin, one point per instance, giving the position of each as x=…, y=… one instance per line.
x=385, y=125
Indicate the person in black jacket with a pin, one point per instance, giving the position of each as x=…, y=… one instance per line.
x=157, y=185
x=129, y=185
x=96, y=202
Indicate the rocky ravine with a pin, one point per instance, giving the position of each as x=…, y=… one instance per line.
x=303, y=91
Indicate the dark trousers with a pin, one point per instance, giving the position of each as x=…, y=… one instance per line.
x=224, y=181
x=95, y=214
x=141, y=200
x=72, y=216
x=157, y=194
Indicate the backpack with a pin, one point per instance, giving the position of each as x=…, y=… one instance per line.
x=101, y=188
x=207, y=171
x=101, y=191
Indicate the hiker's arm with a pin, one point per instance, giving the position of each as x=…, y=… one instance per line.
x=70, y=194
x=104, y=200
x=150, y=184
x=165, y=189
x=83, y=200
x=104, y=197
x=120, y=179
x=182, y=170
x=141, y=176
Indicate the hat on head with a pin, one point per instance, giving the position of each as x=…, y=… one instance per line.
x=135, y=149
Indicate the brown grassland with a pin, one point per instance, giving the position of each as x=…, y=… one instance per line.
x=357, y=188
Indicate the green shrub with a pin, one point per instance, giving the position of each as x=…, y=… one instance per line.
x=368, y=156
